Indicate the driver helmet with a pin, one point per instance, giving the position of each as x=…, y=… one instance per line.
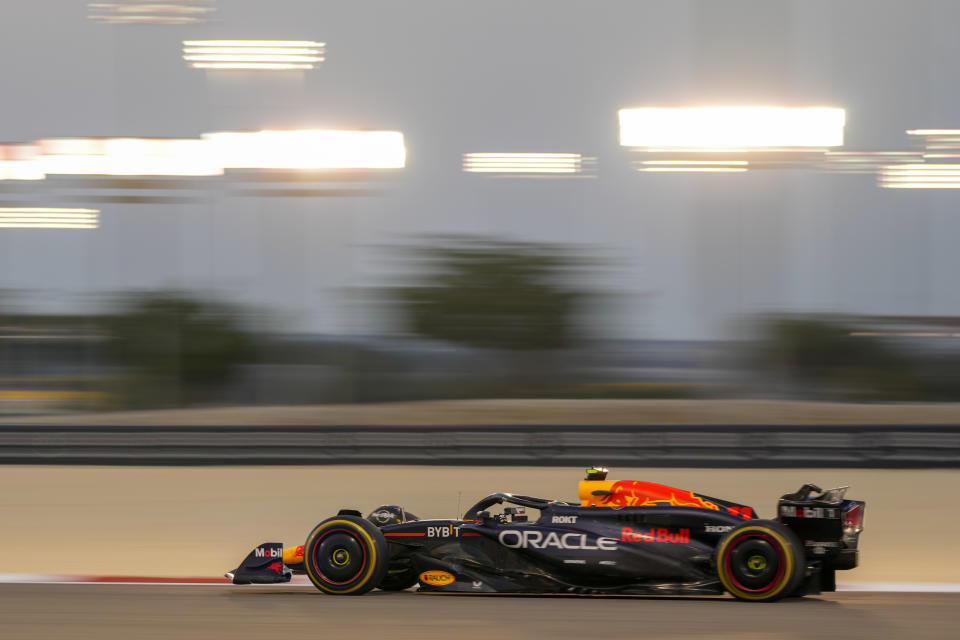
x=596, y=473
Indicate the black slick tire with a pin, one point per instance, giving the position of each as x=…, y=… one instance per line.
x=345, y=555
x=760, y=561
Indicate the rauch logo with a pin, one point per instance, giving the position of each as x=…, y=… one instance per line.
x=436, y=578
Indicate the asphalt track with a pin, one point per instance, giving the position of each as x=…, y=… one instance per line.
x=151, y=611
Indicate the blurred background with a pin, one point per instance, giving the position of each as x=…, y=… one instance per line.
x=234, y=203
x=713, y=242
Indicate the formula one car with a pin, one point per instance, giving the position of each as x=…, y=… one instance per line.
x=624, y=537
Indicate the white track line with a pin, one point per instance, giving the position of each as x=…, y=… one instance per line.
x=901, y=587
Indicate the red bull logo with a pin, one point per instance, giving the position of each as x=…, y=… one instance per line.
x=655, y=534
x=636, y=493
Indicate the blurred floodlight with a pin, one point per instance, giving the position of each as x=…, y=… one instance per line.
x=939, y=143
x=696, y=169
x=45, y=218
x=308, y=149
x=697, y=162
x=522, y=162
x=19, y=162
x=867, y=161
x=920, y=176
x=933, y=132
x=725, y=128
x=127, y=157
x=151, y=11
x=694, y=166
x=206, y=156
x=276, y=55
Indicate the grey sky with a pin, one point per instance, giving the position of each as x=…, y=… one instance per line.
x=523, y=75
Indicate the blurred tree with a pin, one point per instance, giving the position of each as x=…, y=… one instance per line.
x=179, y=348
x=490, y=293
x=496, y=294
x=823, y=358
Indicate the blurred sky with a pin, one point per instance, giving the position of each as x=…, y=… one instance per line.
x=531, y=75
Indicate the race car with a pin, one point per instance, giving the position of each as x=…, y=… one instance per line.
x=621, y=537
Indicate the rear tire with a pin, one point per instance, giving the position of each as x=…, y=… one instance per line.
x=345, y=555
x=760, y=561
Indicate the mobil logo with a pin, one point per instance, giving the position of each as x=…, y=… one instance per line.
x=269, y=552
x=789, y=511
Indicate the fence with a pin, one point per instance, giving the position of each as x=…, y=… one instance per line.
x=896, y=446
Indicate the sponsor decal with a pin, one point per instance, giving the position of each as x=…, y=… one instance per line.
x=789, y=511
x=821, y=543
x=743, y=512
x=852, y=517
x=820, y=547
x=436, y=578
x=516, y=539
x=636, y=493
x=260, y=552
x=477, y=584
x=446, y=531
x=655, y=534
x=275, y=566
x=717, y=528
x=383, y=516
x=563, y=520
x=298, y=552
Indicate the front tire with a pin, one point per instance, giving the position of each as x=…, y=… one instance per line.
x=345, y=555
x=760, y=561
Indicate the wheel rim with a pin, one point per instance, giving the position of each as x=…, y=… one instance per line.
x=338, y=557
x=755, y=563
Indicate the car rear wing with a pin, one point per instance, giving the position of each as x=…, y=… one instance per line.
x=827, y=523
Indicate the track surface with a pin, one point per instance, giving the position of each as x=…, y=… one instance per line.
x=122, y=611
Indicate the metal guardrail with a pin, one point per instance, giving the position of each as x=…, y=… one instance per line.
x=887, y=446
